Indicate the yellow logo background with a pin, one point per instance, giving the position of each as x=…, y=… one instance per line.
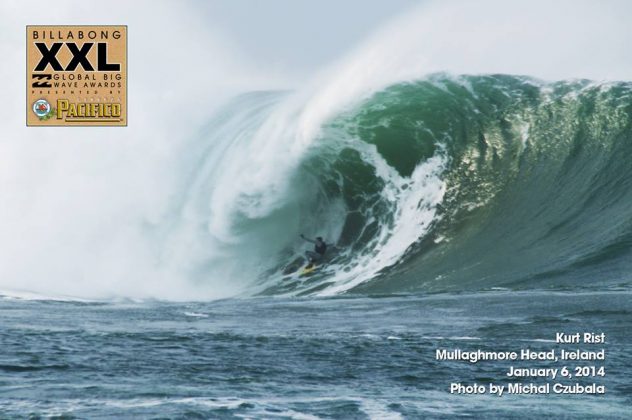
x=84, y=85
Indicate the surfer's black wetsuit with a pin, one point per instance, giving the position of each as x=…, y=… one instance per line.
x=320, y=247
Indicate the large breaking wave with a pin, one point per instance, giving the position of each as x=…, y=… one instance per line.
x=442, y=182
x=446, y=183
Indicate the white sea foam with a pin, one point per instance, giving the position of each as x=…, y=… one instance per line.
x=195, y=314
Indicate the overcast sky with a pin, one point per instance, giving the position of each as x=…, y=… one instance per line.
x=295, y=35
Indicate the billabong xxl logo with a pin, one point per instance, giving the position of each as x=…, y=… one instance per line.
x=76, y=75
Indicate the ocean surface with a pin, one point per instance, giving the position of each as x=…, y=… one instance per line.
x=462, y=212
x=344, y=357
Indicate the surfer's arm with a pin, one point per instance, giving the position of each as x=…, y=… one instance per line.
x=307, y=239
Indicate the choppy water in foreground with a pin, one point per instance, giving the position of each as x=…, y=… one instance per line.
x=313, y=358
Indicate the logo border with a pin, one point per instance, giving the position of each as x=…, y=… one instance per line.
x=26, y=66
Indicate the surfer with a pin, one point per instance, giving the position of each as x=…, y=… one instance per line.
x=320, y=247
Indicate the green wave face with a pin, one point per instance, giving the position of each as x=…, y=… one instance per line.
x=537, y=180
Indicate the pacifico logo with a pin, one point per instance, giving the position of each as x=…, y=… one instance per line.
x=76, y=75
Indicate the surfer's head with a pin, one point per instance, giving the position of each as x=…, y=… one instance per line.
x=319, y=238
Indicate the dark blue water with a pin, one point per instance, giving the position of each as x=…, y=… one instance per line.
x=313, y=358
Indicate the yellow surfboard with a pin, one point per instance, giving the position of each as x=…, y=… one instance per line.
x=307, y=270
